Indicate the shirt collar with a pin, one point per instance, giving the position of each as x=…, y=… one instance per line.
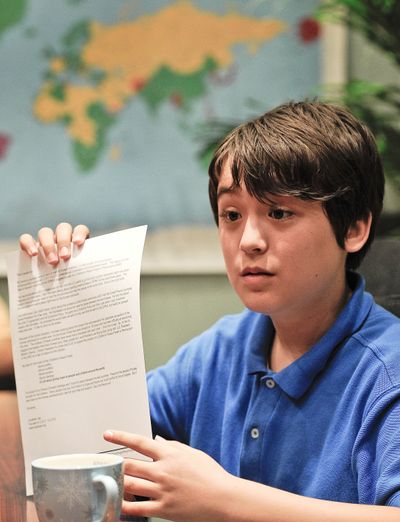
x=296, y=378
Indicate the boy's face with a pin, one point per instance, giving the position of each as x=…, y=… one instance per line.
x=281, y=256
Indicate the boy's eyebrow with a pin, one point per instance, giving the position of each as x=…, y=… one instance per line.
x=227, y=190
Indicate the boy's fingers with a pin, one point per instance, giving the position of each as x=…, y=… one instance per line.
x=28, y=244
x=145, y=508
x=56, y=245
x=80, y=233
x=63, y=238
x=139, y=443
x=47, y=241
x=136, y=486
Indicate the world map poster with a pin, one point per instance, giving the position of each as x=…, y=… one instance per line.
x=106, y=106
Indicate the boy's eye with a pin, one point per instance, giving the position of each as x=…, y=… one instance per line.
x=279, y=213
x=230, y=215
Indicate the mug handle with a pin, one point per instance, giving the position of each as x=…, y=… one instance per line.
x=111, y=509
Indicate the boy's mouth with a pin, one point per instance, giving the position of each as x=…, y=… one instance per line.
x=254, y=272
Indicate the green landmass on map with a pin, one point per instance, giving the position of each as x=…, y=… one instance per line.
x=11, y=13
x=71, y=47
x=179, y=88
x=87, y=156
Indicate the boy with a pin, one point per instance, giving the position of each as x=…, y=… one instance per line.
x=293, y=406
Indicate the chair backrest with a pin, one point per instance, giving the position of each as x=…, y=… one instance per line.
x=381, y=269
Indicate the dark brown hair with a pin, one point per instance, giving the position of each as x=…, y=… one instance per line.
x=311, y=150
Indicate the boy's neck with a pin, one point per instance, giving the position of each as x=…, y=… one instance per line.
x=295, y=336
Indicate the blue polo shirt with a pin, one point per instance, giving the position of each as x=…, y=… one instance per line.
x=327, y=426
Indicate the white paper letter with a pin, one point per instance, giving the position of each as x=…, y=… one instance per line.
x=77, y=347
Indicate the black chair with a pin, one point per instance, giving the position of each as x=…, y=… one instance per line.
x=381, y=269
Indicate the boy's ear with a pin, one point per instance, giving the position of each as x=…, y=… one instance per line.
x=357, y=235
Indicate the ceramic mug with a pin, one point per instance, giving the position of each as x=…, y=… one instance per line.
x=83, y=487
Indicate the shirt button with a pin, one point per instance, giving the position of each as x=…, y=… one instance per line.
x=270, y=383
x=255, y=433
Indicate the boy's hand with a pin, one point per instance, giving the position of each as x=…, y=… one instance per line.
x=56, y=244
x=183, y=484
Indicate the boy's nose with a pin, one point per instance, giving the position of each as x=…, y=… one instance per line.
x=253, y=239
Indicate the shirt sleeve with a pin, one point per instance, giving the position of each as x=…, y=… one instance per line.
x=377, y=452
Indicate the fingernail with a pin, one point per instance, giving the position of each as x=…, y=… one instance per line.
x=64, y=252
x=77, y=240
x=33, y=251
x=52, y=258
x=109, y=433
x=158, y=437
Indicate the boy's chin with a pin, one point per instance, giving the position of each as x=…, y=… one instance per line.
x=258, y=306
